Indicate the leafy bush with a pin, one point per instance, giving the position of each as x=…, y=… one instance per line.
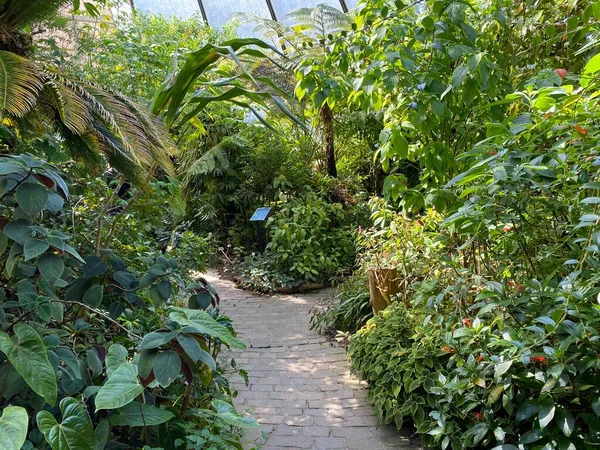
x=309, y=239
x=348, y=310
x=94, y=330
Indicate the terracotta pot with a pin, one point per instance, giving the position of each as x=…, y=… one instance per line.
x=383, y=285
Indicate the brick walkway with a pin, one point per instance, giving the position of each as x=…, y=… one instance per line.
x=300, y=386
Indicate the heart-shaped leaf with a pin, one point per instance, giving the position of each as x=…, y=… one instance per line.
x=26, y=352
x=51, y=267
x=74, y=432
x=121, y=388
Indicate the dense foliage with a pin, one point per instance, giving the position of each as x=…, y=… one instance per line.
x=136, y=156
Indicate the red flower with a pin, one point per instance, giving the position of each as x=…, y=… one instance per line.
x=562, y=73
x=467, y=323
x=507, y=228
x=479, y=359
x=478, y=416
x=493, y=153
x=539, y=360
x=519, y=287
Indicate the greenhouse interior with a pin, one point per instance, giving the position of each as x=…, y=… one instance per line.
x=285, y=224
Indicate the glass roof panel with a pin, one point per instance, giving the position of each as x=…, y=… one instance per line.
x=352, y=4
x=282, y=7
x=220, y=12
x=179, y=8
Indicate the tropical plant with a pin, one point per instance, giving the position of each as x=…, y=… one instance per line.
x=91, y=121
x=94, y=329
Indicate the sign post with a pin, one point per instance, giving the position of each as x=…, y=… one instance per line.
x=260, y=216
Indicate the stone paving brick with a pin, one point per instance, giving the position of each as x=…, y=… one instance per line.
x=300, y=386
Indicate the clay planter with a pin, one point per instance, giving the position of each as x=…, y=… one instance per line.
x=383, y=285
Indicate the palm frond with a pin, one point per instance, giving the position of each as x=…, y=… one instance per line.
x=21, y=13
x=321, y=20
x=20, y=84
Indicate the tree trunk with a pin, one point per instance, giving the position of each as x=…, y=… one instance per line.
x=327, y=129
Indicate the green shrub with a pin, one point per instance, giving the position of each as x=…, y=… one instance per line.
x=310, y=239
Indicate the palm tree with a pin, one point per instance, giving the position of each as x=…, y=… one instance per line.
x=309, y=26
x=92, y=122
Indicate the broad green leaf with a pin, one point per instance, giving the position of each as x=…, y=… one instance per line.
x=590, y=70
x=156, y=339
x=13, y=427
x=51, y=267
x=26, y=352
x=155, y=296
x=146, y=362
x=34, y=248
x=565, y=421
x=502, y=368
x=458, y=76
x=228, y=414
x=138, y=415
x=201, y=322
x=94, y=266
x=167, y=367
x=18, y=230
x=93, y=296
x=74, y=432
x=546, y=412
x=192, y=348
x=531, y=436
x=165, y=290
x=121, y=388
x=101, y=434
x=32, y=197
x=115, y=358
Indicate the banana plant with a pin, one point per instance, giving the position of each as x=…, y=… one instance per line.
x=204, y=78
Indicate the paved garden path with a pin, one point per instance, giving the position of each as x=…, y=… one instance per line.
x=300, y=386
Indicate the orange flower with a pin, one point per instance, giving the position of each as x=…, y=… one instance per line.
x=507, y=228
x=519, y=287
x=448, y=349
x=492, y=153
x=479, y=359
x=580, y=130
x=466, y=323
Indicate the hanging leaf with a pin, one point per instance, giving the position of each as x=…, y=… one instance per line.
x=29, y=356
x=74, y=432
x=192, y=348
x=167, y=367
x=93, y=296
x=115, y=358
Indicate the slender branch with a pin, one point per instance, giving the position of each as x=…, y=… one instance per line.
x=100, y=313
x=103, y=213
x=115, y=221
